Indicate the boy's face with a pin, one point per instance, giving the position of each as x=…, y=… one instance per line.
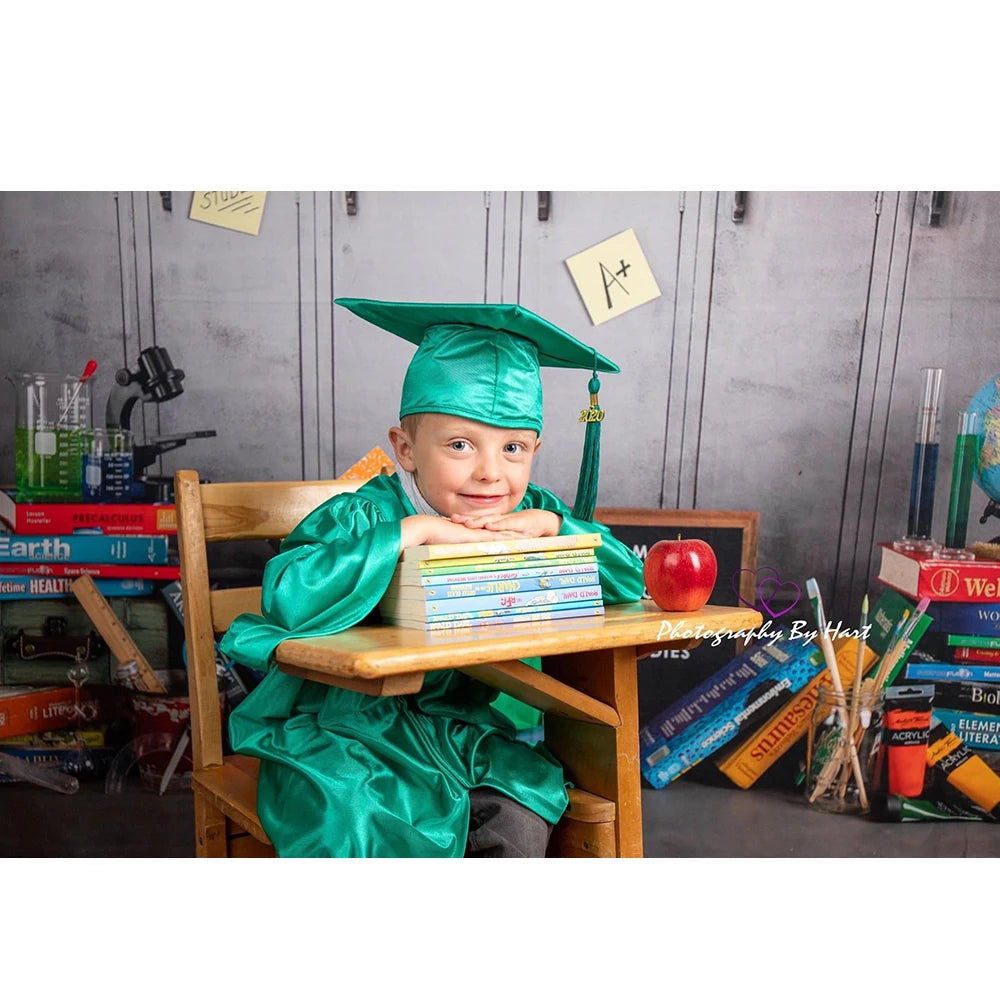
x=465, y=467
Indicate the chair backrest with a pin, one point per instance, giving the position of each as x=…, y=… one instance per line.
x=215, y=512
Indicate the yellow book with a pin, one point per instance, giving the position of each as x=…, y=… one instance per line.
x=501, y=547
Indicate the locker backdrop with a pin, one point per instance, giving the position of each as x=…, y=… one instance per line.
x=777, y=371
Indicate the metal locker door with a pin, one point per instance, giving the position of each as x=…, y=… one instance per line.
x=641, y=341
x=226, y=307
x=399, y=246
x=789, y=294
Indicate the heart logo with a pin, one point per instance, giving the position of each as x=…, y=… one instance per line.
x=763, y=604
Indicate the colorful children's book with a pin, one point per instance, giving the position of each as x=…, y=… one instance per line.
x=485, y=573
x=70, y=518
x=500, y=550
x=939, y=579
x=528, y=617
x=496, y=601
x=394, y=617
x=134, y=550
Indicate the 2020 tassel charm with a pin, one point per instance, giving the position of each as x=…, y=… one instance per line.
x=586, y=487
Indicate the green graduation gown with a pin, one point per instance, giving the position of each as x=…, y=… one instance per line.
x=345, y=774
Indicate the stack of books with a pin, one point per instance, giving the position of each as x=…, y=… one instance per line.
x=960, y=653
x=57, y=728
x=513, y=580
x=126, y=548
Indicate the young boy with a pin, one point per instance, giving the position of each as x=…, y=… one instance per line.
x=438, y=773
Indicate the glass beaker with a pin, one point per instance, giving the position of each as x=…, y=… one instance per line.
x=831, y=781
x=53, y=416
x=107, y=465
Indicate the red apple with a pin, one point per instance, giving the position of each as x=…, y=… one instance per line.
x=680, y=573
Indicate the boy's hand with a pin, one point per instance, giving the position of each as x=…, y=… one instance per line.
x=422, y=529
x=520, y=524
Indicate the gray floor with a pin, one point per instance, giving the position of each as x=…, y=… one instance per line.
x=686, y=820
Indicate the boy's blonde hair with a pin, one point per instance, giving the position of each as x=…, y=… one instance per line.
x=410, y=423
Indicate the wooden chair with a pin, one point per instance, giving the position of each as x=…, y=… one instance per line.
x=225, y=787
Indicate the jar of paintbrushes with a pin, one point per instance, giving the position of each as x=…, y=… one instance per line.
x=842, y=747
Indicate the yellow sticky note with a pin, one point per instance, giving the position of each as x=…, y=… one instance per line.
x=239, y=210
x=613, y=277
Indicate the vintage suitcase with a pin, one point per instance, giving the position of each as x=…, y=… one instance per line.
x=41, y=639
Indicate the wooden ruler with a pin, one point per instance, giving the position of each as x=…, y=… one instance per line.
x=113, y=632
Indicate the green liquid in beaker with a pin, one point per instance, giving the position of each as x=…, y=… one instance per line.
x=963, y=467
x=49, y=463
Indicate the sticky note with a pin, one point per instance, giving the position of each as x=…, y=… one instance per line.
x=239, y=210
x=613, y=277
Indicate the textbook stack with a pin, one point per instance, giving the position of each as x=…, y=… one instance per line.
x=59, y=728
x=960, y=652
x=515, y=580
x=124, y=547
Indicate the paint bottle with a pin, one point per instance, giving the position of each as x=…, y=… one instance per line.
x=906, y=731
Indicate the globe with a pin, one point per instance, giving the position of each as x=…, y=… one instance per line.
x=986, y=403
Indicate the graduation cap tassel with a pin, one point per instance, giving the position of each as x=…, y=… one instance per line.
x=586, y=488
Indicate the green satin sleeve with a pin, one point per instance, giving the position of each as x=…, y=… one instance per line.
x=331, y=573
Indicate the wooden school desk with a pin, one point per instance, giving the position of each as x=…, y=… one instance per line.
x=587, y=687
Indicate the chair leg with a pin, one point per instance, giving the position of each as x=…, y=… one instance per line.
x=209, y=828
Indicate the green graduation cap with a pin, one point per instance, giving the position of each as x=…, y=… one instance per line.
x=481, y=362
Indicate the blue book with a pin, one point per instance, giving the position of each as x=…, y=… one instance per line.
x=977, y=731
x=793, y=665
x=939, y=670
x=740, y=671
x=150, y=550
x=966, y=617
x=31, y=588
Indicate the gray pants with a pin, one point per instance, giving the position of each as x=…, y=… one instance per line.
x=499, y=827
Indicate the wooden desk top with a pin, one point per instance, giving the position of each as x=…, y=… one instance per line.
x=377, y=651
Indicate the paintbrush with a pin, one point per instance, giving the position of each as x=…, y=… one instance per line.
x=893, y=656
x=812, y=588
x=856, y=688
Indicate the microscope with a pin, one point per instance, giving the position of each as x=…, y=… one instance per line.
x=153, y=380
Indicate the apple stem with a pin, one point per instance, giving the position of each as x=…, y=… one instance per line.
x=678, y=536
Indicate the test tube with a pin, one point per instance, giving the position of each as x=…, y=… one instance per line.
x=968, y=442
x=925, y=457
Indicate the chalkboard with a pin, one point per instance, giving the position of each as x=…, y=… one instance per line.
x=665, y=675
